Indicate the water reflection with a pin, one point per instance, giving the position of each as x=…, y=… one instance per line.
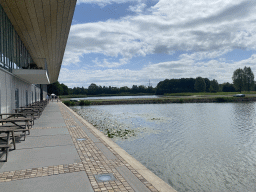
x=193, y=147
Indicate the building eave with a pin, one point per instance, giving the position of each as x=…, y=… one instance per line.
x=33, y=76
x=43, y=26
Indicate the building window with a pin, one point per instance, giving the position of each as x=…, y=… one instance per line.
x=0, y=102
x=17, y=104
x=35, y=96
x=26, y=97
x=13, y=53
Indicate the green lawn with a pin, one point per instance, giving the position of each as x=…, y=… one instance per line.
x=104, y=95
x=207, y=93
x=72, y=96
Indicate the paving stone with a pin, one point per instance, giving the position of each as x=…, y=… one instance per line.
x=96, y=157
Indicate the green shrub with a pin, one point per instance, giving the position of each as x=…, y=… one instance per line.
x=221, y=99
x=66, y=103
x=81, y=103
x=84, y=102
x=225, y=99
x=72, y=103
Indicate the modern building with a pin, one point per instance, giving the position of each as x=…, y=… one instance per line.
x=33, y=37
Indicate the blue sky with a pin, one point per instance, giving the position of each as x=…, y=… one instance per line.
x=127, y=42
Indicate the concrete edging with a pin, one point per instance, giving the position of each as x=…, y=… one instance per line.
x=158, y=183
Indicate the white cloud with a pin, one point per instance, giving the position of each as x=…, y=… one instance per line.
x=137, y=8
x=186, y=67
x=104, y=2
x=109, y=38
x=207, y=29
x=106, y=64
x=204, y=26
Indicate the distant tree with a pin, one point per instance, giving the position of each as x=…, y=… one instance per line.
x=227, y=87
x=100, y=90
x=248, y=79
x=142, y=89
x=124, y=89
x=207, y=84
x=150, y=89
x=105, y=89
x=200, y=85
x=65, y=89
x=135, y=89
x=55, y=88
x=76, y=91
x=175, y=86
x=70, y=91
x=163, y=87
x=93, y=89
x=83, y=91
x=114, y=90
x=214, y=87
x=238, y=79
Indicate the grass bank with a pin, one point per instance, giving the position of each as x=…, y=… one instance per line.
x=72, y=96
x=104, y=95
x=173, y=100
x=210, y=94
x=162, y=100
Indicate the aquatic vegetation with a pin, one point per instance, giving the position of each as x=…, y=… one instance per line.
x=69, y=103
x=155, y=119
x=104, y=122
x=111, y=133
x=84, y=102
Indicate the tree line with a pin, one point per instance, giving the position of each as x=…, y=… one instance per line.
x=243, y=80
x=183, y=85
x=93, y=89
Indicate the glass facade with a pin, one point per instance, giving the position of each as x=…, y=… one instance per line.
x=0, y=102
x=14, y=54
x=26, y=97
x=17, y=99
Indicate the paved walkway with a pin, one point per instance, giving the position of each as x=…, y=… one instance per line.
x=66, y=153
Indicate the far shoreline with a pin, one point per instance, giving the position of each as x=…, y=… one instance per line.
x=165, y=100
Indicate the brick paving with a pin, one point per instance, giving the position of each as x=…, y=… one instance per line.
x=40, y=172
x=93, y=161
x=48, y=127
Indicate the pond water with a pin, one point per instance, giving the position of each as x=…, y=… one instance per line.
x=119, y=97
x=193, y=147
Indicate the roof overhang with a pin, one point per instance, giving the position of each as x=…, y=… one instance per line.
x=33, y=76
x=43, y=26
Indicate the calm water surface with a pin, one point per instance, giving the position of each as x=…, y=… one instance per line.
x=193, y=147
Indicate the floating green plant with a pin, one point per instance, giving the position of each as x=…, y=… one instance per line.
x=110, y=128
x=121, y=133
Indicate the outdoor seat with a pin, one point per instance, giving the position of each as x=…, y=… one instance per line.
x=5, y=148
x=23, y=134
x=17, y=133
x=19, y=115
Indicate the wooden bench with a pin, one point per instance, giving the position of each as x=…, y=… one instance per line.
x=35, y=111
x=23, y=134
x=5, y=147
x=12, y=122
x=11, y=133
x=26, y=114
x=17, y=133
